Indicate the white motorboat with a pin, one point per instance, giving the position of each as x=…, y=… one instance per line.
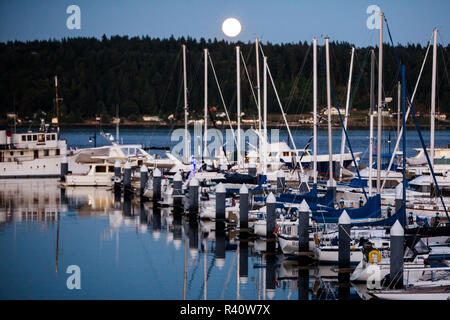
x=434, y=284
x=99, y=174
x=80, y=161
x=380, y=260
x=418, y=164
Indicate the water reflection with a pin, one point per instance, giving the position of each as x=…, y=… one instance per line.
x=117, y=244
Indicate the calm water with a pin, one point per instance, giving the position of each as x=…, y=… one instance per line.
x=126, y=250
x=129, y=251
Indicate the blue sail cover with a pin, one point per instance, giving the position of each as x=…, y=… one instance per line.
x=310, y=197
x=326, y=200
x=372, y=209
x=400, y=215
x=358, y=183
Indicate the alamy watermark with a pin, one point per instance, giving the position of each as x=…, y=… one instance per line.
x=74, y=280
x=219, y=141
x=74, y=20
x=373, y=21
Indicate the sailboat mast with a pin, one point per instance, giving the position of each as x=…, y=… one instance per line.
x=372, y=107
x=346, y=114
x=330, y=141
x=205, y=134
x=404, y=139
x=56, y=103
x=433, y=100
x=265, y=113
x=186, y=140
x=399, y=97
x=238, y=101
x=258, y=90
x=117, y=123
x=315, y=109
x=380, y=101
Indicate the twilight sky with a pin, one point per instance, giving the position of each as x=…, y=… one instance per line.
x=274, y=21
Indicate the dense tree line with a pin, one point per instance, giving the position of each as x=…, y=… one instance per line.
x=143, y=76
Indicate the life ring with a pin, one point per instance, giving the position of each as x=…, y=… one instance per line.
x=377, y=253
x=316, y=239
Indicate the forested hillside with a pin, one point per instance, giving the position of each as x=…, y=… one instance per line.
x=144, y=76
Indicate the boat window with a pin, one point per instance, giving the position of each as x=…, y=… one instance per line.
x=34, y=137
x=29, y=137
x=408, y=253
x=53, y=137
x=48, y=137
x=125, y=151
x=41, y=137
x=286, y=153
x=421, y=247
x=57, y=152
x=100, y=169
x=45, y=153
x=24, y=138
x=11, y=153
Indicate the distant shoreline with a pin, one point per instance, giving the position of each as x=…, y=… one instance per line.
x=439, y=126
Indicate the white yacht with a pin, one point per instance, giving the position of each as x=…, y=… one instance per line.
x=280, y=153
x=32, y=154
x=80, y=162
x=418, y=164
x=99, y=174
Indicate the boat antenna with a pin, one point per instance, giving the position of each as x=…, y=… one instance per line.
x=117, y=123
x=57, y=105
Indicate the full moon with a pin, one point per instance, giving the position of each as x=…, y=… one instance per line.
x=231, y=27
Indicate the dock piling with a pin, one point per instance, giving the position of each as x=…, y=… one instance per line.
x=396, y=257
x=156, y=184
x=220, y=202
x=144, y=179
x=243, y=207
x=270, y=220
x=193, y=196
x=303, y=226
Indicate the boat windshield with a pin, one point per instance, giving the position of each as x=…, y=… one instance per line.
x=421, y=247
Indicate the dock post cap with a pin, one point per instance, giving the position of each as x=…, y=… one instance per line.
x=243, y=189
x=156, y=173
x=63, y=159
x=331, y=183
x=177, y=177
x=344, y=218
x=144, y=168
x=270, y=293
x=304, y=206
x=193, y=252
x=127, y=165
x=281, y=174
x=194, y=182
x=397, y=229
x=271, y=198
x=220, y=262
x=243, y=280
x=116, y=163
x=220, y=188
